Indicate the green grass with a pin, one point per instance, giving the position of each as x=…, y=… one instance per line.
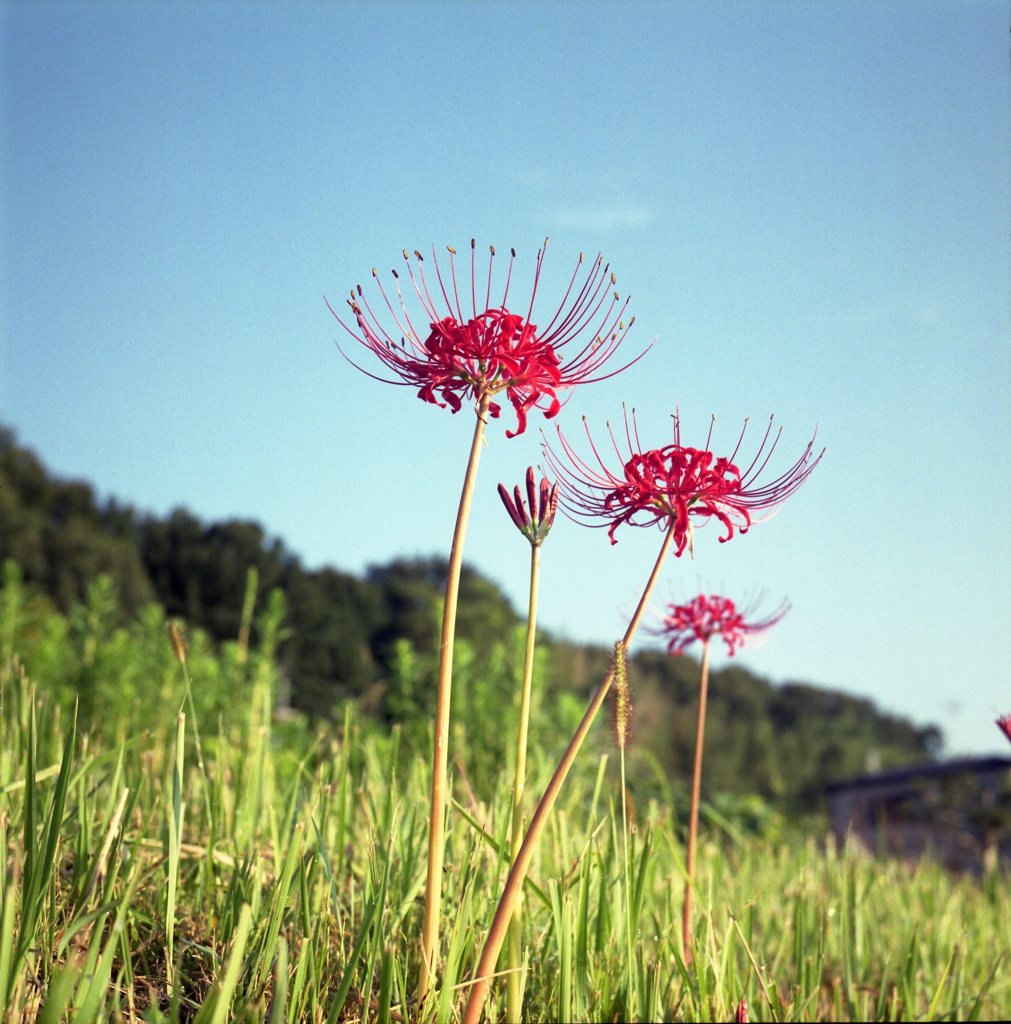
x=238, y=874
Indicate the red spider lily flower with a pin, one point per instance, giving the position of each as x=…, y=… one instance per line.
x=1004, y=724
x=706, y=616
x=542, y=503
x=477, y=350
x=675, y=484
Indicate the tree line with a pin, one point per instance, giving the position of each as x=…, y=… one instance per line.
x=346, y=638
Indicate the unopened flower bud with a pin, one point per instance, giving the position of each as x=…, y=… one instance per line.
x=534, y=516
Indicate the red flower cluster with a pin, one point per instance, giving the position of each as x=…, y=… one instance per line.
x=535, y=523
x=488, y=350
x=674, y=484
x=707, y=616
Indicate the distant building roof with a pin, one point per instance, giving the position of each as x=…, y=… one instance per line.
x=931, y=770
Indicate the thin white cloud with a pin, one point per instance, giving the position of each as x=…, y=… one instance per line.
x=923, y=312
x=602, y=218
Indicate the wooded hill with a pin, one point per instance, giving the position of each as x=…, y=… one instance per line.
x=373, y=639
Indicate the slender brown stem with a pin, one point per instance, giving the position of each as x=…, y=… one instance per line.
x=693, y=817
x=440, y=754
x=514, y=980
x=521, y=863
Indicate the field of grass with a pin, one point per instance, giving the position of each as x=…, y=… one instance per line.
x=173, y=864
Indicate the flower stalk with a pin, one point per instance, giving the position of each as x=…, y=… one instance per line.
x=534, y=520
x=666, y=487
x=440, y=752
x=699, y=620
x=515, y=979
x=521, y=863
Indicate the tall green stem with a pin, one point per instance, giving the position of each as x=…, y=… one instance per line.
x=521, y=863
x=693, y=816
x=514, y=981
x=440, y=753
x=629, y=939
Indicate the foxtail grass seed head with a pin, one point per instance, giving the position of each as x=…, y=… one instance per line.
x=1004, y=724
x=621, y=704
x=178, y=643
x=535, y=518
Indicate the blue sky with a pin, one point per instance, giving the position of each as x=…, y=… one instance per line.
x=807, y=202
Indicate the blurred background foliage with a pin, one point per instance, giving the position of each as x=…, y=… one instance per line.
x=88, y=588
